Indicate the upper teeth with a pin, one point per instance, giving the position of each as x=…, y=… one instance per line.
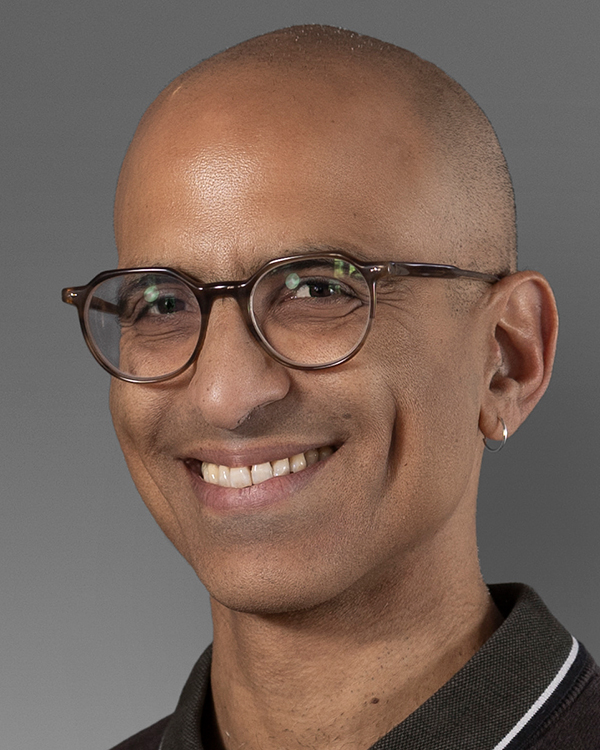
x=244, y=476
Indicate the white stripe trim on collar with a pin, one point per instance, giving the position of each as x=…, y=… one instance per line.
x=561, y=674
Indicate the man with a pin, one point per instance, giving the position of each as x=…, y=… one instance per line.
x=316, y=460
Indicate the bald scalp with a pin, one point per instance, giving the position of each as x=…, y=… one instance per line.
x=477, y=216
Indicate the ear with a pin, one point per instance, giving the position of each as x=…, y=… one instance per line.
x=523, y=330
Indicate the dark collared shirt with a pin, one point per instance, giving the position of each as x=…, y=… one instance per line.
x=531, y=686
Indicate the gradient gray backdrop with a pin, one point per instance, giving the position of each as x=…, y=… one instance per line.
x=100, y=619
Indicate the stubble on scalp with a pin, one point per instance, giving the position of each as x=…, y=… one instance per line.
x=476, y=210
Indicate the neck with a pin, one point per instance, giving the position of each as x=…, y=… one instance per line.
x=344, y=673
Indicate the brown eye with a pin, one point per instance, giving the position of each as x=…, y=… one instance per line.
x=165, y=305
x=317, y=288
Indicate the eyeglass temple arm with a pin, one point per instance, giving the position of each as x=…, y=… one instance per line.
x=437, y=270
x=72, y=296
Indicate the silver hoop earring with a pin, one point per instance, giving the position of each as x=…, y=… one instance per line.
x=504, y=439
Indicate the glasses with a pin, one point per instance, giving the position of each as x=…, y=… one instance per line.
x=308, y=312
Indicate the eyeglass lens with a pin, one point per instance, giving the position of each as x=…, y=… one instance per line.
x=310, y=312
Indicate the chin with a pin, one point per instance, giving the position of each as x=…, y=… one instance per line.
x=270, y=591
x=265, y=606
x=265, y=601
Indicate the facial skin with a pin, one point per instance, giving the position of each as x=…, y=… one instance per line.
x=226, y=177
x=235, y=194
x=369, y=558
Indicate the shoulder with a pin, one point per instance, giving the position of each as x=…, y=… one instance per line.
x=147, y=739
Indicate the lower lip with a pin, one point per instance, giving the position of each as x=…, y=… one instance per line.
x=272, y=492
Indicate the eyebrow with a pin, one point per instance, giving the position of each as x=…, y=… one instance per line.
x=346, y=249
x=355, y=251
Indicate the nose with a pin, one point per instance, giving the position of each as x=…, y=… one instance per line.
x=233, y=376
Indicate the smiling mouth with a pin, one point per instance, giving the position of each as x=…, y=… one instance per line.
x=246, y=476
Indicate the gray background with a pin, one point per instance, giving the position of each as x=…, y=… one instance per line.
x=100, y=619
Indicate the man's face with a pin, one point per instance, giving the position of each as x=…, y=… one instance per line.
x=217, y=187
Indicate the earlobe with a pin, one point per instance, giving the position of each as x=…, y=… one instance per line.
x=525, y=326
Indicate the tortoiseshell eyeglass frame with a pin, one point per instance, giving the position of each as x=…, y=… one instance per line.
x=242, y=291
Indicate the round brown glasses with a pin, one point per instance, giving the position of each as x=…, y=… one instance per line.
x=309, y=312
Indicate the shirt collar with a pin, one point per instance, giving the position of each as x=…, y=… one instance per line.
x=500, y=695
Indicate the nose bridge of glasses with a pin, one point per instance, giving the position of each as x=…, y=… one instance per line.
x=238, y=290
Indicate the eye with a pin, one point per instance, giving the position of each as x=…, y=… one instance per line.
x=311, y=291
x=154, y=302
x=321, y=289
x=164, y=304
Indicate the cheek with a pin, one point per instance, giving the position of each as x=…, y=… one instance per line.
x=136, y=420
x=140, y=415
x=131, y=413
x=431, y=372
x=431, y=363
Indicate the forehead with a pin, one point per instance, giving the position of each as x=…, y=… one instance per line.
x=235, y=170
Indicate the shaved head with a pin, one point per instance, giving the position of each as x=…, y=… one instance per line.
x=416, y=112
x=301, y=143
